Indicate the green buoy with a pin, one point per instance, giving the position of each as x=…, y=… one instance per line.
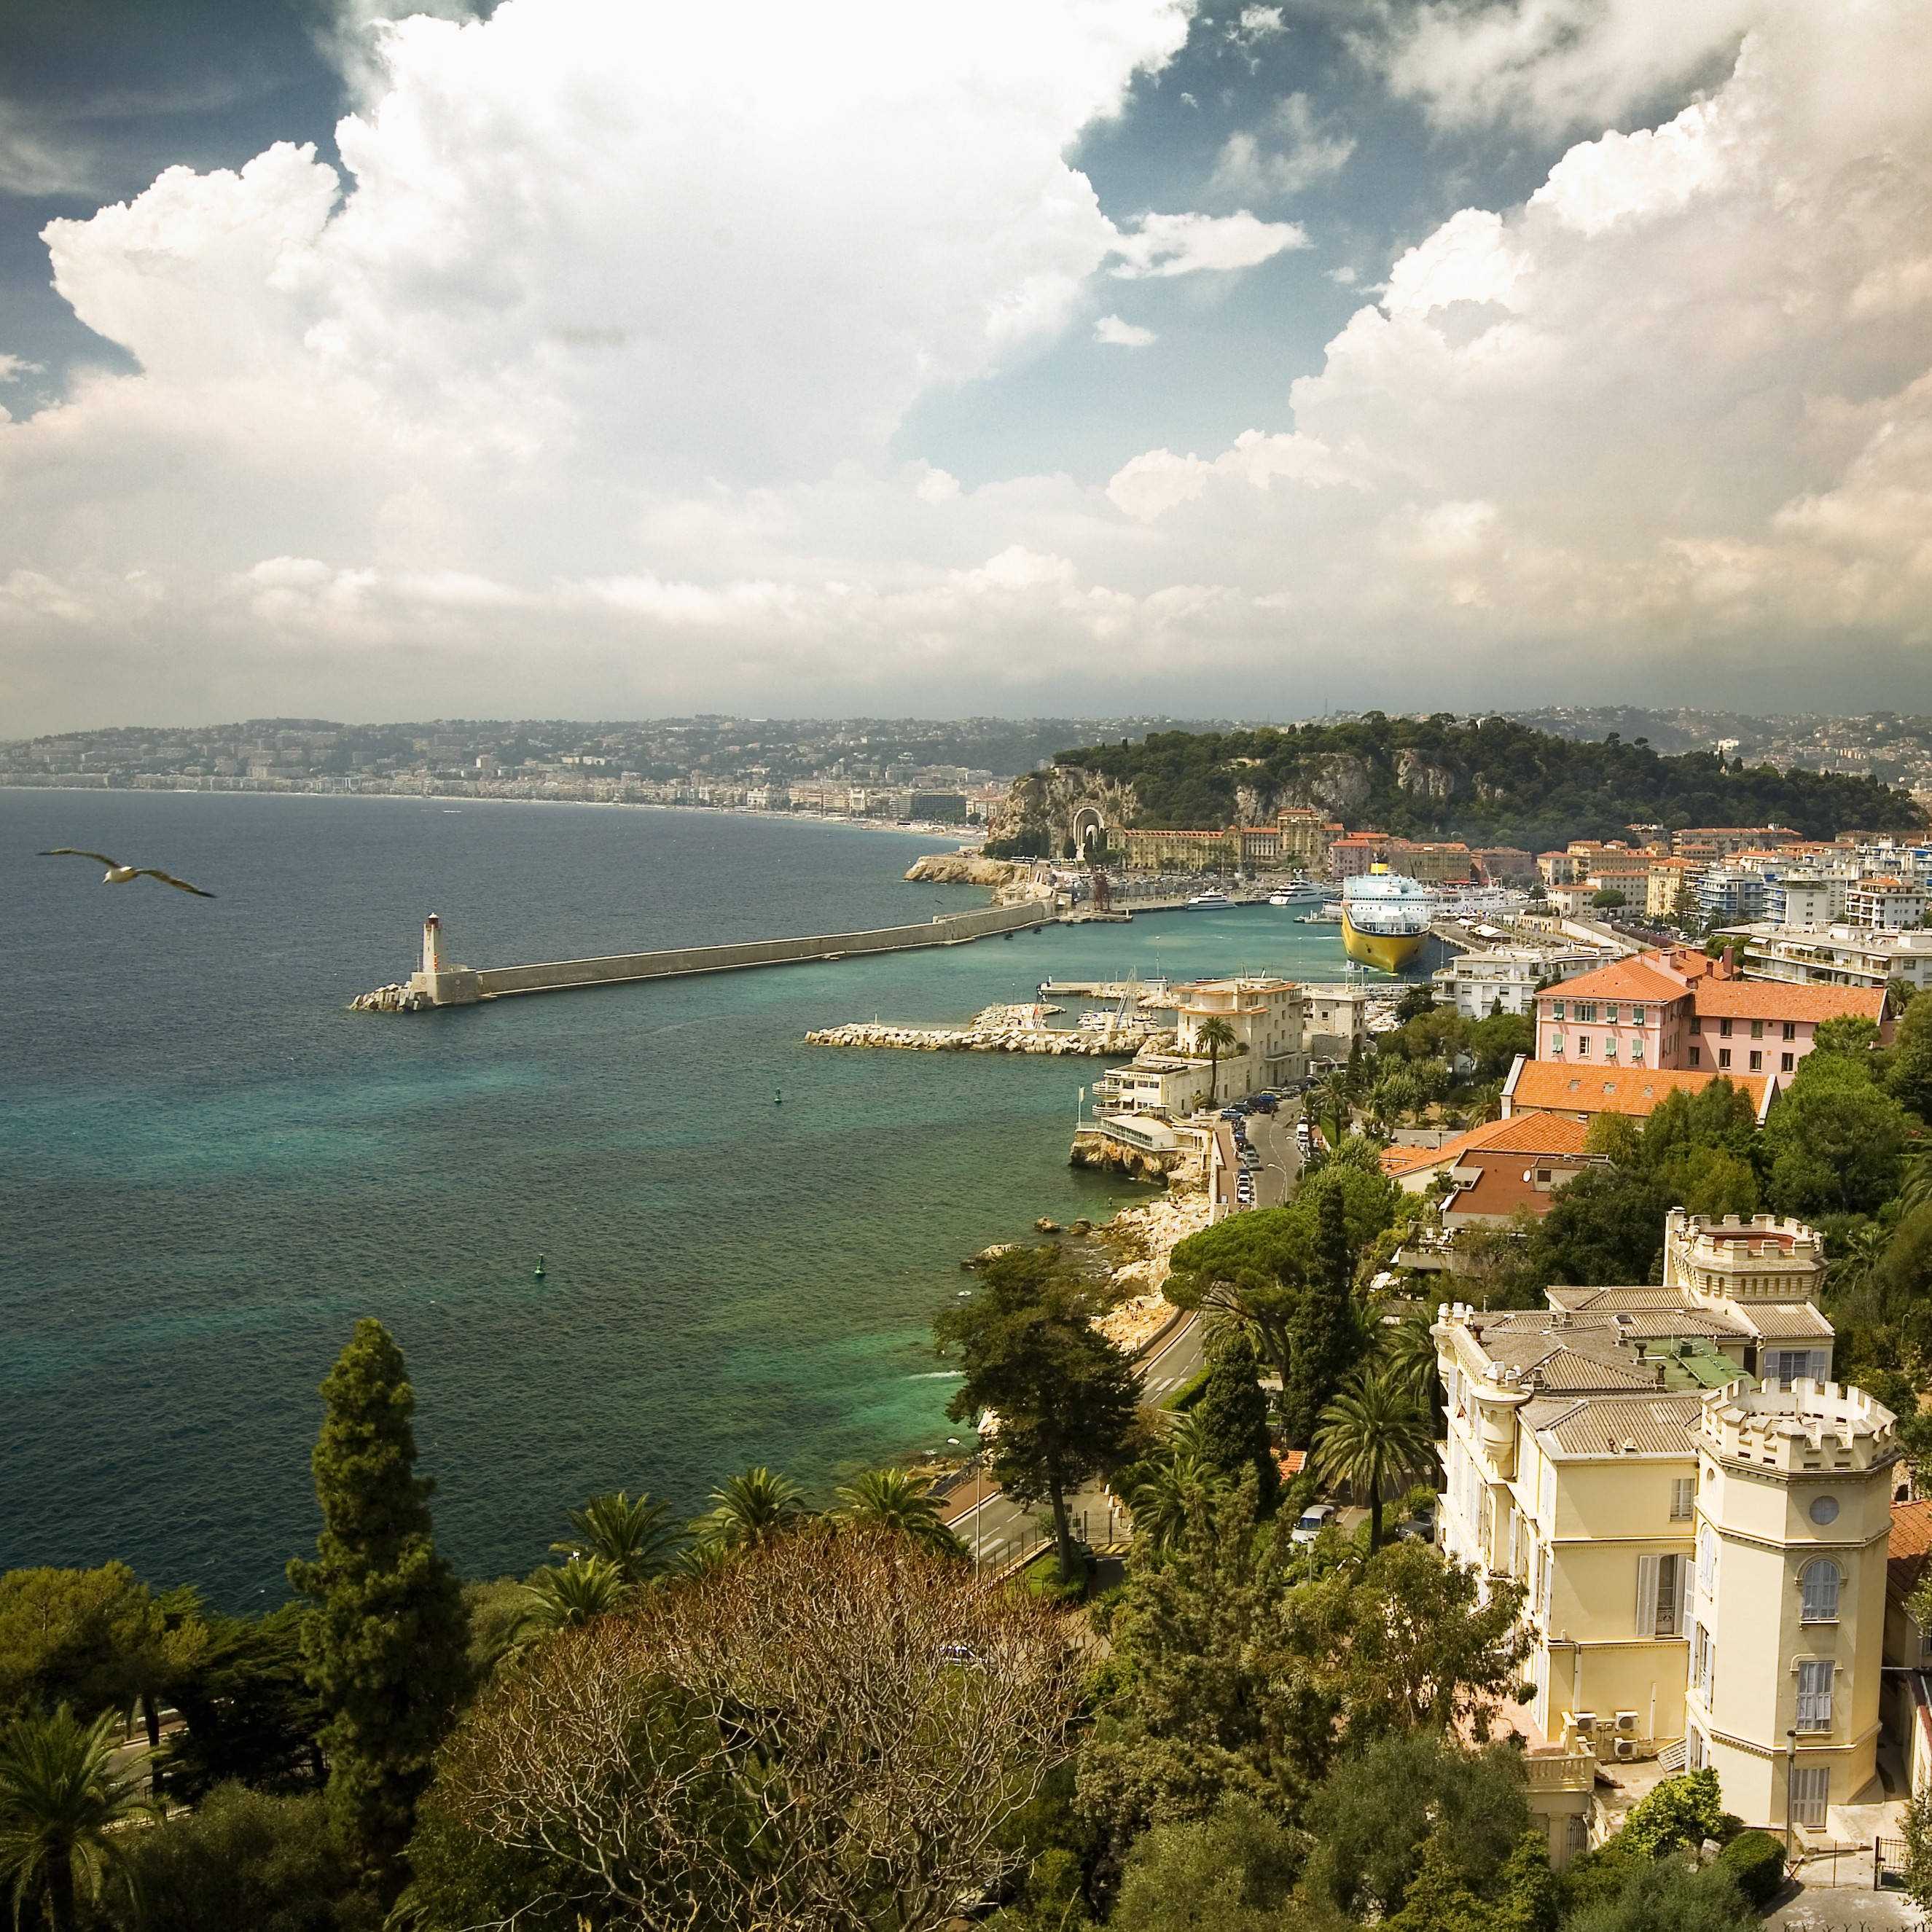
x=778, y=1098
x=539, y=1274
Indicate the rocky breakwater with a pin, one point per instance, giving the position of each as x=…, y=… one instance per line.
x=995, y=1030
x=397, y=999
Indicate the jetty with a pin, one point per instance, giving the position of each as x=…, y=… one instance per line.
x=439, y=982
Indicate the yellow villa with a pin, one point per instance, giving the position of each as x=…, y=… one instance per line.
x=1698, y=1517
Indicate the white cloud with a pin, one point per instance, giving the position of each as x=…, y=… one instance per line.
x=1554, y=65
x=1260, y=23
x=1183, y=244
x=1111, y=329
x=1309, y=154
x=575, y=392
x=13, y=367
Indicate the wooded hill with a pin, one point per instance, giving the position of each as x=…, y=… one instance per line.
x=1490, y=781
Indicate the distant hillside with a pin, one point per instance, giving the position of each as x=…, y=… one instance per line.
x=1492, y=782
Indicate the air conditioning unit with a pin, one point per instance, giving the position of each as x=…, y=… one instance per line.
x=1626, y=1747
x=1626, y=1723
x=1586, y=1723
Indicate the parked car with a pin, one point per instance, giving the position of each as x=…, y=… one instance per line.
x=1262, y=1103
x=1313, y=1521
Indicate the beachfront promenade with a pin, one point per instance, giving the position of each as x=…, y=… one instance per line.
x=440, y=983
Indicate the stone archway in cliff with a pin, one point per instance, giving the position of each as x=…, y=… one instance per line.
x=1090, y=833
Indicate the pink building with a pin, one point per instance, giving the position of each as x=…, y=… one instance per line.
x=1681, y=1009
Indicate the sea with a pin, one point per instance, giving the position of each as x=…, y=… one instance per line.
x=210, y=1168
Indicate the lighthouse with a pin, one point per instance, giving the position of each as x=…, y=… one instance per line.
x=447, y=985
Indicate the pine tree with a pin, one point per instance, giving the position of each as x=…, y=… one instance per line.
x=1232, y=1412
x=1322, y=1339
x=386, y=1652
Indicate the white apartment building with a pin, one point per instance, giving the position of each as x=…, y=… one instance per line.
x=1837, y=956
x=1476, y=982
x=1697, y=1516
x=1884, y=904
x=1334, y=1020
x=1805, y=902
x=1265, y=1014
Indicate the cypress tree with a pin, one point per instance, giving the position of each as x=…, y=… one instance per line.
x=386, y=1652
x=1233, y=1416
x=1322, y=1340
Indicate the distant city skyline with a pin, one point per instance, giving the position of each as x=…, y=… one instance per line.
x=611, y=359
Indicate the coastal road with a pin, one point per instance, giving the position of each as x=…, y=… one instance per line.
x=1272, y=1136
x=990, y=1525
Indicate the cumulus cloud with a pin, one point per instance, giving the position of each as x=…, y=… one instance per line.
x=1120, y=335
x=1554, y=65
x=575, y=390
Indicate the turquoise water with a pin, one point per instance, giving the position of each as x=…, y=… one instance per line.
x=212, y=1168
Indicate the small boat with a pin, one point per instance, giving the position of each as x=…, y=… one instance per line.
x=1212, y=900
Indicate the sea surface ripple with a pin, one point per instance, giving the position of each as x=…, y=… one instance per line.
x=212, y=1168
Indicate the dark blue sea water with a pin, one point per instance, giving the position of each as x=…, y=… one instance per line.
x=209, y=1169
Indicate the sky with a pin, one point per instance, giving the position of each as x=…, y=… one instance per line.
x=612, y=358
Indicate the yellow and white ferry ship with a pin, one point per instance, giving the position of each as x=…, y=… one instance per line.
x=1385, y=919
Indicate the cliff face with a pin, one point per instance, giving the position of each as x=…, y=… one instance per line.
x=1041, y=806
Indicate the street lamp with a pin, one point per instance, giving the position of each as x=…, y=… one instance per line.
x=1790, y=1761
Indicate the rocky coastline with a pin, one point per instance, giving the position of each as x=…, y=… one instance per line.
x=999, y=1030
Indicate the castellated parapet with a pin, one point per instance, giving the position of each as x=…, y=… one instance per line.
x=1763, y=1259
x=1811, y=1426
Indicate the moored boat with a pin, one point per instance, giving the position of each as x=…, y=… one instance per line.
x=1385, y=919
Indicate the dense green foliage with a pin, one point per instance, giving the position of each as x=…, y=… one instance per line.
x=1232, y=1417
x=1490, y=781
x=1755, y=1862
x=1066, y=1398
x=385, y=1652
x=250, y=1713
x=91, y=1639
x=243, y=1858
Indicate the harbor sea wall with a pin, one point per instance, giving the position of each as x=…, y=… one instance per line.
x=463, y=985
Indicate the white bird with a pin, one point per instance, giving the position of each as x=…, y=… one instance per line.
x=119, y=874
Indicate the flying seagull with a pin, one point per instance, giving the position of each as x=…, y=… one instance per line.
x=119, y=874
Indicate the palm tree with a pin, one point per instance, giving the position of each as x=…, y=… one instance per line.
x=585, y=1588
x=1375, y=1435
x=631, y=1536
x=1916, y=1174
x=1854, y=1271
x=1408, y=1354
x=61, y=1797
x=1175, y=1488
x=752, y=1508
x=1218, y=1037
x=897, y=1499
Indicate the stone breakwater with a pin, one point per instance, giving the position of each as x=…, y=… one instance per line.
x=993, y=1030
x=393, y=999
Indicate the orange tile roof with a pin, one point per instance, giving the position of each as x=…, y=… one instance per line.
x=1763, y=1000
x=1293, y=1461
x=1525, y=1132
x=1637, y=1091
x=1907, y=1548
x=1627, y=980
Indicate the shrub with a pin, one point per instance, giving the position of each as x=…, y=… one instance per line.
x=1756, y=1860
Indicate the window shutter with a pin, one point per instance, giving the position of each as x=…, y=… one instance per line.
x=1821, y=1365
x=1683, y=1595
x=1646, y=1596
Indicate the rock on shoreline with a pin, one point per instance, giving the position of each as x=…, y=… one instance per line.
x=962, y=868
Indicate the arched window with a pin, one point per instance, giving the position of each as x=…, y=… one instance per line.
x=1820, y=1583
